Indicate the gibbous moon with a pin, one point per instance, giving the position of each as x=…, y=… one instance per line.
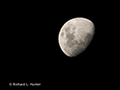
x=75, y=36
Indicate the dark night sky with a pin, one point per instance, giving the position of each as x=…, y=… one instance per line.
x=34, y=52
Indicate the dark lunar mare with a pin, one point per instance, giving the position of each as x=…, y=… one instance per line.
x=67, y=29
x=88, y=39
x=79, y=45
x=70, y=36
x=62, y=34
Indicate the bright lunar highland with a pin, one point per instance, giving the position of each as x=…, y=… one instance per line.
x=75, y=36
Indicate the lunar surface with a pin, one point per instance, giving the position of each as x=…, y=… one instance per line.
x=75, y=36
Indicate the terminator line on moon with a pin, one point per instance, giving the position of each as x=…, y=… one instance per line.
x=75, y=36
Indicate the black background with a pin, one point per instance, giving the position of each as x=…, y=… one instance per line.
x=34, y=53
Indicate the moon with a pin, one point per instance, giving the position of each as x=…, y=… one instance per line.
x=75, y=36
